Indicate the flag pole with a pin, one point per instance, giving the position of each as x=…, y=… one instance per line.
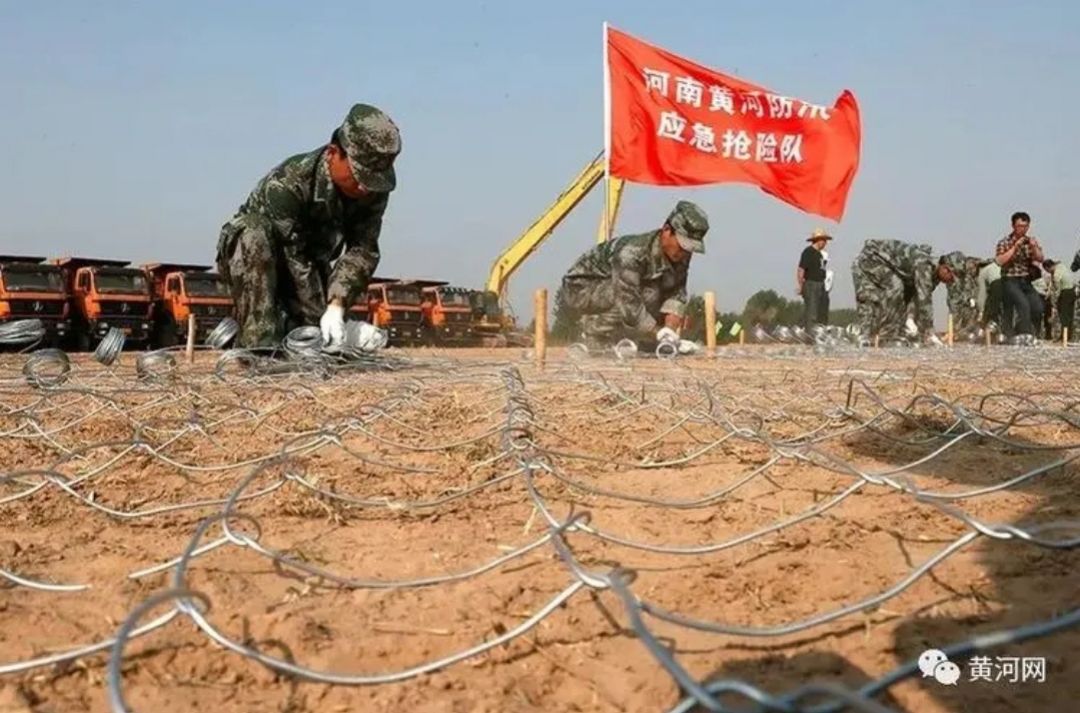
x=607, y=138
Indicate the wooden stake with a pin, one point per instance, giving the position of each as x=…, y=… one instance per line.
x=191, y=339
x=710, y=321
x=877, y=341
x=989, y=338
x=540, y=308
x=742, y=337
x=951, y=333
x=1064, y=336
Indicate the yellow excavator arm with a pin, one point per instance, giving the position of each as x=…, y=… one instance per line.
x=527, y=243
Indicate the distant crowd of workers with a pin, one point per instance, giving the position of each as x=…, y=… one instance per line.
x=1020, y=294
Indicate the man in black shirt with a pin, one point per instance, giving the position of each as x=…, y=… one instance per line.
x=811, y=280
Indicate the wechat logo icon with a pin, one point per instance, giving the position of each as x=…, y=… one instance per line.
x=936, y=664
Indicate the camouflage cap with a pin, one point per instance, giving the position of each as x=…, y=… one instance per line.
x=372, y=142
x=956, y=261
x=690, y=225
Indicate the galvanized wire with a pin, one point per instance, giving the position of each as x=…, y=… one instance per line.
x=225, y=331
x=791, y=412
x=110, y=347
x=22, y=332
x=47, y=367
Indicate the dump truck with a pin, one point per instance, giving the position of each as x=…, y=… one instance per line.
x=181, y=290
x=359, y=309
x=30, y=288
x=447, y=312
x=397, y=307
x=103, y=294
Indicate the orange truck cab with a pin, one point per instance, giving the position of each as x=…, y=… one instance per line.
x=103, y=294
x=182, y=290
x=359, y=309
x=32, y=289
x=396, y=306
x=447, y=312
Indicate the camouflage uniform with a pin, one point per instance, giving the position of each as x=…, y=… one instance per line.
x=623, y=287
x=889, y=275
x=963, y=293
x=276, y=252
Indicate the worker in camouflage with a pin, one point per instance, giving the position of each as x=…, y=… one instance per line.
x=305, y=243
x=635, y=286
x=890, y=275
x=963, y=292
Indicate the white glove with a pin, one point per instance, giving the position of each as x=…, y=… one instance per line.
x=935, y=340
x=687, y=347
x=667, y=334
x=910, y=327
x=828, y=280
x=332, y=325
x=972, y=302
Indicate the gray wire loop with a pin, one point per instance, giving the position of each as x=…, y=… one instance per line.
x=154, y=365
x=304, y=343
x=47, y=367
x=110, y=347
x=393, y=439
x=577, y=351
x=22, y=332
x=225, y=331
x=626, y=349
x=232, y=358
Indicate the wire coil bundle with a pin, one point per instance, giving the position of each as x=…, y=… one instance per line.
x=111, y=346
x=223, y=333
x=154, y=365
x=22, y=332
x=47, y=367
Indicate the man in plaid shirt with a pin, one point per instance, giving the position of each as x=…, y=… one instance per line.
x=1015, y=253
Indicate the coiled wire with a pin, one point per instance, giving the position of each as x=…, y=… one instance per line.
x=355, y=343
x=667, y=350
x=304, y=343
x=626, y=349
x=110, y=347
x=47, y=367
x=223, y=333
x=154, y=365
x=239, y=357
x=22, y=331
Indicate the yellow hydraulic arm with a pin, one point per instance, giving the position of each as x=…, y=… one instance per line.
x=527, y=243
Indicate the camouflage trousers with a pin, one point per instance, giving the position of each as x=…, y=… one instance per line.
x=263, y=283
x=601, y=319
x=966, y=318
x=881, y=299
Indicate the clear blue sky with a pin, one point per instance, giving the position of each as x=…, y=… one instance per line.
x=135, y=129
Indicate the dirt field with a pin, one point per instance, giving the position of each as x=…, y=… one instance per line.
x=386, y=518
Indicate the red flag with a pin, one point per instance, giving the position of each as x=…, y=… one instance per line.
x=672, y=122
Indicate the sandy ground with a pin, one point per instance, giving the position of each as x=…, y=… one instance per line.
x=770, y=436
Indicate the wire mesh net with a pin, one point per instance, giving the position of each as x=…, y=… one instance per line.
x=774, y=526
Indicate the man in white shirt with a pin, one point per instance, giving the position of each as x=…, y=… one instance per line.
x=989, y=292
